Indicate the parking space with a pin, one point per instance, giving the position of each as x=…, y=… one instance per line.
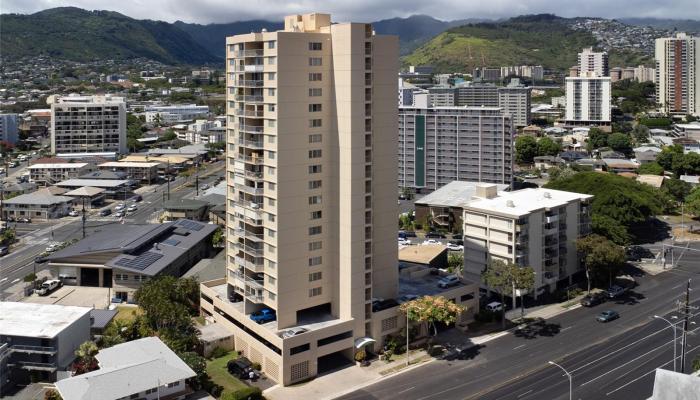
x=74, y=296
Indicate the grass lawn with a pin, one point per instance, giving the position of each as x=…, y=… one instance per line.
x=127, y=313
x=216, y=369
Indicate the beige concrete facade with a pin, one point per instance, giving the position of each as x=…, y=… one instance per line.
x=311, y=151
x=678, y=74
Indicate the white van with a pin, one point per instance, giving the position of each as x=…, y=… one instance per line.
x=494, y=306
x=48, y=287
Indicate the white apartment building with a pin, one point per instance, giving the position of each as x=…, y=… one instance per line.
x=477, y=95
x=515, y=100
x=588, y=98
x=8, y=128
x=678, y=74
x=88, y=124
x=536, y=72
x=440, y=96
x=311, y=230
x=593, y=61
x=49, y=173
x=644, y=74
x=175, y=114
x=438, y=145
x=537, y=228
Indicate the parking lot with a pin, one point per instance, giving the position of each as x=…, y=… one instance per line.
x=96, y=297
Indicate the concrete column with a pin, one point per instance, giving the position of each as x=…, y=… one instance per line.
x=101, y=279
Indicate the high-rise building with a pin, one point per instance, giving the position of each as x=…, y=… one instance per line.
x=440, y=96
x=88, y=125
x=678, y=74
x=593, y=61
x=588, y=99
x=529, y=227
x=477, y=95
x=438, y=145
x=515, y=99
x=311, y=229
x=8, y=128
x=644, y=74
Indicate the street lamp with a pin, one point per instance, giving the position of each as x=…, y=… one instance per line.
x=674, y=338
x=571, y=387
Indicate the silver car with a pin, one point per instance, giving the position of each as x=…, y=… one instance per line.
x=293, y=332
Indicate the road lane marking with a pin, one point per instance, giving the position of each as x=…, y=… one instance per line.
x=568, y=327
x=3, y=280
x=515, y=348
x=523, y=394
x=15, y=281
x=406, y=390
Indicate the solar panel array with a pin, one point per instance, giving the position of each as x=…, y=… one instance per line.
x=171, y=241
x=191, y=225
x=141, y=262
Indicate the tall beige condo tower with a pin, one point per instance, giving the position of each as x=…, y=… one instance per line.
x=311, y=173
x=678, y=74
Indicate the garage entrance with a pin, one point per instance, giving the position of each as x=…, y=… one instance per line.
x=333, y=362
x=90, y=277
x=107, y=278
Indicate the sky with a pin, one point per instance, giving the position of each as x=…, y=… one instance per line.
x=218, y=11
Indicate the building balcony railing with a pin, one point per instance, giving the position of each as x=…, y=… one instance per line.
x=36, y=366
x=253, y=144
x=551, y=218
x=255, y=237
x=258, y=160
x=250, y=190
x=248, y=113
x=33, y=349
x=248, y=98
x=249, y=128
x=248, y=53
x=248, y=82
x=249, y=249
x=249, y=174
x=256, y=265
x=255, y=298
x=254, y=68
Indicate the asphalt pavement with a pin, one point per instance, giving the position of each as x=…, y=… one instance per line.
x=613, y=360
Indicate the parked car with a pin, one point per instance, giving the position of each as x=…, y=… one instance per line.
x=24, y=220
x=264, y=315
x=494, y=306
x=406, y=298
x=404, y=242
x=636, y=253
x=448, y=281
x=136, y=198
x=240, y=367
x=455, y=247
x=48, y=287
x=459, y=242
x=119, y=207
x=40, y=259
x=615, y=291
x=73, y=213
x=4, y=250
x=431, y=241
x=119, y=214
x=434, y=235
x=105, y=212
x=593, y=299
x=293, y=332
x=607, y=316
x=53, y=247
x=383, y=305
x=132, y=208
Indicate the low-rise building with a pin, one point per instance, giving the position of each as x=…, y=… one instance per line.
x=529, y=227
x=427, y=255
x=146, y=172
x=141, y=369
x=40, y=205
x=617, y=165
x=124, y=256
x=38, y=340
x=173, y=114
x=195, y=210
x=45, y=174
x=114, y=188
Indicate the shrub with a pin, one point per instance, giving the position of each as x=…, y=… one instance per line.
x=218, y=352
x=360, y=356
x=250, y=392
x=256, y=366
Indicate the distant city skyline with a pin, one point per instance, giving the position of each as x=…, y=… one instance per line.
x=220, y=11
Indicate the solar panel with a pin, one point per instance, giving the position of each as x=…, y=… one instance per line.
x=171, y=241
x=191, y=225
x=141, y=262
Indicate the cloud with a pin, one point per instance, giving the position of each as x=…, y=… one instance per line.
x=216, y=11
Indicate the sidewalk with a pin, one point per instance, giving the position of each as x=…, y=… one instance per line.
x=548, y=311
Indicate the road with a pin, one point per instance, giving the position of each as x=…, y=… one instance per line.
x=35, y=237
x=615, y=360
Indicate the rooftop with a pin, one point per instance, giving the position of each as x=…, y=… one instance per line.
x=454, y=194
x=85, y=191
x=184, y=204
x=63, y=165
x=524, y=201
x=126, y=369
x=104, y=174
x=102, y=183
x=38, y=198
x=37, y=320
x=421, y=254
x=129, y=164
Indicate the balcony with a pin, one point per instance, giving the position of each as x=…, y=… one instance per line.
x=248, y=53
x=250, y=236
x=248, y=113
x=253, y=68
x=551, y=218
x=250, y=190
x=248, y=98
x=249, y=128
x=252, y=144
x=551, y=231
x=33, y=349
x=248, y=82
x=258, y=160
x=255, y=298
x=254, y=175
x=256, y=265
x=36, y=366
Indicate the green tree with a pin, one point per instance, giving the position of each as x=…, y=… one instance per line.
x=548, y=147
x=524, y=281
x=525, y=149
x=455, y=262
x=696, y=364
x=168, y=135
x=596, y=139
x=641, y=134
x=505, y=277
x=199, y=366
x=670, y=156
x=620, y=142
x=676, y=189
x=601, y=258
x=431, y=309
x=691, y=164
x=7, y=236
x=652, y=168
x=52, y=394
x=556, y=173
x=692, y=202
x=217, y=238
x=86, y=360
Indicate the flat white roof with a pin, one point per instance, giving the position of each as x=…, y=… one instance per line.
x=524, y=201
x=58, y=165
x=129, y=164
x=101, y=183
x=37, y=320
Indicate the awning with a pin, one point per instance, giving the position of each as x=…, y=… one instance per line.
x=361, y=342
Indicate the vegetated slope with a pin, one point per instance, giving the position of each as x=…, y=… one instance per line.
x=213, y=36
x=531, y=39
x=81, y=35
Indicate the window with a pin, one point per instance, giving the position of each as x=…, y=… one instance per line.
x=315, y=230
x=271, y=44
x=271, y=217
x=177, y=383
x=315, y=76
x=313, y=292
x=271, y=185
x=270, y=233
x=315, y=61
x=315, y=46
x=390, y=323
x=314, y=200
x=314, y=169
x=314, y=153
x=315, y=123
x=314, y=246
x=271, y=279
x=315, y=138
x=271, y=60
x=271, y=155
x=315, y=108
x=271, y=107
x=152, y=390
x=271, y=123
x=270, y=91
x=466, y=297
x=315, y=92
x=271, y=76
x=316, y=214
x=315, y=276
x=271, y=201
x=313, y=261
x=315, y=184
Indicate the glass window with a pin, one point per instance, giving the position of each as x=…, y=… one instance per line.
x=314, y=46
x=271, y=44
x=315, y=61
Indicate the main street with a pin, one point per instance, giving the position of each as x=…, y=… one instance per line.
x=614, y=360
x=35, y=237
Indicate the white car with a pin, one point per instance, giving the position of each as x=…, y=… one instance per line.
x=119, y=207
x=53, y=247
x=73, y=213
x=455, y=247
x=431, y=241
x=293, y=332
x=132, y=208
x=404, y=242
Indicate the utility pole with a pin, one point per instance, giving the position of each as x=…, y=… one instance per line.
x=167, y=174
x=84, y=217
x=684, y=338
x=196, y=177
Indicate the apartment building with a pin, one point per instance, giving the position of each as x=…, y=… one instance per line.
x=175, y=114
x=88, y=124
x=438, y=145
x=515, y=100
x=45, y=174
x=487, y=73
x=311, y=230
x=477, y=95
x=8, y=128
x=441, y=96
x=644, y=74
x=593, y=61
x=535, y=72
x=678, y=74
x=588, y=98
x=529, y=227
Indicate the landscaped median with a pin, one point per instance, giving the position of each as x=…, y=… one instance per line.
x=234, y=388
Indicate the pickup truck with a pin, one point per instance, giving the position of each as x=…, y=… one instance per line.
x=49, y=286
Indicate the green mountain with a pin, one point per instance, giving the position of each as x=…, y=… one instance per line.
x=213, y=36
x=686, y=25
x=81, y=35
